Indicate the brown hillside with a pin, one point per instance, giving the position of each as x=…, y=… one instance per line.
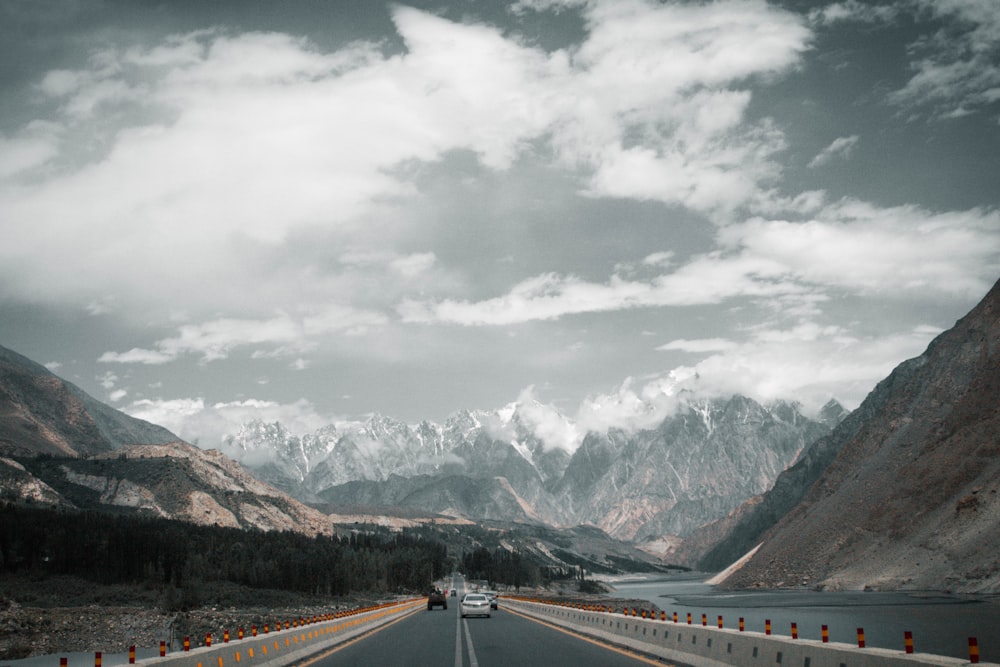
x=911, y=500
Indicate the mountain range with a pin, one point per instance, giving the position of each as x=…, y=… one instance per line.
x=900, y=493
x=694, y=467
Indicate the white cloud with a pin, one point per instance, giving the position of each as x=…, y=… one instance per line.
x=700, y=345
x=137, y=356
x=851, y=245
x=207, y=425
x=707, y=279
x=281, y=335
x=630, y=408
x=221, y=149
x=807, y=362
x=32, y=148
x=547, y=423
x=888, y=251
x=810, y=363
x=414, y=265
x=841, y=147
x=855, y=10
x=956, y=66
x=108, y=380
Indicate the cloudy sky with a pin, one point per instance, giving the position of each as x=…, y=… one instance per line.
x=310, y=211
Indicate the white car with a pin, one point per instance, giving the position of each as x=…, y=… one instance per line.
x=475, y=604
x=492, y=595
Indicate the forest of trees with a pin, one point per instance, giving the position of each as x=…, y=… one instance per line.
x=123, y=549
x=500, y=567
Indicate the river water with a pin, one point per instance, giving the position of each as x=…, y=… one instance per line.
x=940, y=623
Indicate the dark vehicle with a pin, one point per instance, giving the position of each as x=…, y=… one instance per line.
x=436, y=598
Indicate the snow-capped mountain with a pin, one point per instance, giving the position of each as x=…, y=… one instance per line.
x=693, y=467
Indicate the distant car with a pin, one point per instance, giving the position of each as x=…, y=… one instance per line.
x=475, y=604
x=453, y=593
x=436, y=598
x=492, y=595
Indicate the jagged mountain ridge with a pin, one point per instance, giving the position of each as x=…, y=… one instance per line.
x=905, y=493
x=694, y=467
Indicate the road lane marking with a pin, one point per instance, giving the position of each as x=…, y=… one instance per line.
x=592, y=640
x=458, y=638
x=472, y=652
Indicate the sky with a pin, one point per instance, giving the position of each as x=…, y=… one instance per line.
x=311, y=211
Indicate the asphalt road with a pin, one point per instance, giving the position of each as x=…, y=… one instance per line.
x=443, y=638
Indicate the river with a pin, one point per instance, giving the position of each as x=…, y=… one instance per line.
x=940, y=623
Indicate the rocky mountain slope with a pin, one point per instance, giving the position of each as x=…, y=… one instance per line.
x=41, y=413
x=694, y=467
x=175, y=481
x=905, y=491
x=62, y=448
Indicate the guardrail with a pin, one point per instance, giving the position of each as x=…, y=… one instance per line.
x=657, y=634
x=286, y=643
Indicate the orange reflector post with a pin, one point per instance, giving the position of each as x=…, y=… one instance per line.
x=741, y=624
x=795, y=631
x=63, y=662
x=208, y=639
x=675, y=617
x=187, y=644
x=767, y=626
x=973, y=650
x=720, y=621
x=225, y=636
x=908, y=641
x=704, y=619
x=163, y=648
x=689, y=618
x=131, y=654
x=97, y=659
x=861, y=637
x=825, y=634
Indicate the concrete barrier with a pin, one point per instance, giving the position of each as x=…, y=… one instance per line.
x=283, y=647
x=702, y=646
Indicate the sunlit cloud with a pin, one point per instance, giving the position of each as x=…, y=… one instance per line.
x=226, y=145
